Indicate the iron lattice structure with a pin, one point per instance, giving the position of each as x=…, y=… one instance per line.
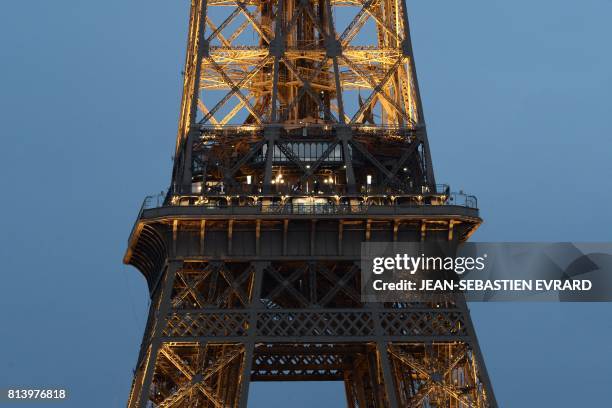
x=301, y=136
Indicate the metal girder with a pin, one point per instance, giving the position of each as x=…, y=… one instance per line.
x=304, y=34
x=300, y=333
x=227, y=306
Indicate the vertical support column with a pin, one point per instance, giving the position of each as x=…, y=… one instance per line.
x=383, y=355
x=313, y=235
x=395, y=229
x=202, y=50
x=285, y=233
x=185, y=187
x=375, y=379
x=482, y=368
x=271, y=135
x=408, y=53
x=312, y=283
x=174, y=236
x=339, y=98
x=257, y=237
x=196, y=48
x=340, y=236
x=333, y=49
x=160, y=322
x=249, y=345
x=396, y=224
x=230, y=236
x=202, y=236
x=359, y=384
x=277, y=47
x=349, y=390
x=344, y=135
x=274, y=114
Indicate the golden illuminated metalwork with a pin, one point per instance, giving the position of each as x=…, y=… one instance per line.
x=290, y=62
x=301, y=136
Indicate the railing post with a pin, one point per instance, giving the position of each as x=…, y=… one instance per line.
x=329, y=207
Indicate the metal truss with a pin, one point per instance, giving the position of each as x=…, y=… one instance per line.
x=293, y=62
x=301, y=135
x=216, y=326
x=261, y=76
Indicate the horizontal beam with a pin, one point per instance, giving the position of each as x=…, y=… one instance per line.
x=314, y=339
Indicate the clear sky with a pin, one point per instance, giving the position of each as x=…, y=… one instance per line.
x=517, y=102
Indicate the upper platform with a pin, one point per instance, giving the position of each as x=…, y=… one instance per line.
x=290, y=226
x=326, y=201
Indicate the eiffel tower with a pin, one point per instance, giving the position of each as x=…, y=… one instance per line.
x=281, y=170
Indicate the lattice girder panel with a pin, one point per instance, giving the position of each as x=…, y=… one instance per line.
x=207, y=324
x=302, y=284
x=295, y=362
x=291, y=105
x=303, y=362
x=358, y=324
x=298, y=58
x=289, y=65
x=425, y=322
x=233, y=161
x=315, y=324
x=388, y=355
x=437, y=374
x=217, y=284
x=193, y=374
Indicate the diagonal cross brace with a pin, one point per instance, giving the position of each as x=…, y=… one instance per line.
x=359, y=19
x=307, y=88
x=399, y=163
x=286, y=284
x=363, y=150
x=309, y=172
x=291, y=156
x=235, y=89
x=339, y=284
x=256, y=147
x=224, y=24
x=253, y=20
x=377, y=89
x=234, y=285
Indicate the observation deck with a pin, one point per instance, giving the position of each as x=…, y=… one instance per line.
x=293, y=225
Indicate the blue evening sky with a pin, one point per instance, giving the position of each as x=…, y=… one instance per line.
x=517, y=100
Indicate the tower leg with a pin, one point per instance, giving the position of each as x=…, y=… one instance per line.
x=218, y=325
x=255, y=295
x=349, y=390
x=142, y=382
x=387, y=374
